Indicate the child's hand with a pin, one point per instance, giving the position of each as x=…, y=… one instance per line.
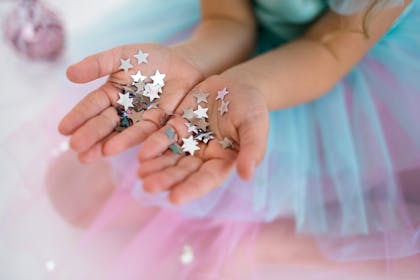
x=91, y=123
x=190, y=177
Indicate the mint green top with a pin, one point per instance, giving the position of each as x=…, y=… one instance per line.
x=284, y=20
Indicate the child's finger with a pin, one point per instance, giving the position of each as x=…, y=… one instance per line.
x=159, y=141
x=130, y=137
x=210, y=175
x=172, y=175
x=158, y=164
x=95, y=152
x=90, y=106
x=97, y=65
x=253, y=137
x=94, y=130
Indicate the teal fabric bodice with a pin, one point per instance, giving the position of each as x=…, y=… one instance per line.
x=287, y=19
x=284, y=20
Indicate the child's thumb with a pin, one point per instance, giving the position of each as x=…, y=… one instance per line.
x=252, y=141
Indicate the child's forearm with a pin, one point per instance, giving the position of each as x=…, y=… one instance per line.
x=309, y=67
x=225, y=37
x=296, y=73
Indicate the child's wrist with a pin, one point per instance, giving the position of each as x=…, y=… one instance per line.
x=187, y=51
x=248, y=79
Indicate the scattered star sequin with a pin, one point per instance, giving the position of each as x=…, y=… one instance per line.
x=125, y=65
x=221, y=94
x=138, y=77
x=188, y=114
x=141, y=57
x=151, y=91
x=201, y=112
x=226, y=143
x=191, y=128
x=158, y=78
x=190, y=145
x=201, y=123
x=125, y=100
x=201, y=97
x=223, y=107
x=204, y=137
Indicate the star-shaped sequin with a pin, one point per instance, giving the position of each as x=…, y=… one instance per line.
x=190, y=145
x=226, y=143
x=188, y=114
x=125, y=65
x=200, y=123
x=141, y=57
x=158, y=78
x=201, y=112
x=191, y=128
x=201, y=97
x=221, y=94
x=151, y=91
x=205, y=137
x=125, y=100
x=138, y=77
x=223, y=107
x=139, y=87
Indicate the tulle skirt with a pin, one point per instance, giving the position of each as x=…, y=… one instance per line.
x=340, y=182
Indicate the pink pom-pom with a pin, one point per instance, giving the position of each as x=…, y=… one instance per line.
x=35, y=31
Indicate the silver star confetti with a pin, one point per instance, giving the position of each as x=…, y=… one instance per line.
x=158, y=78
x=190, y=145
x=201, y=112
x=201, y=97
x=125, y=100
x=139, y=86
x=221, y=94
x=226, y=143
x=125, y=65
x=138, y=77
x=151, y=91
x=141, y=57
x=191, y=128
x=223, y=107
x=188, y=114
x=205, y=137
x=200, y=123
